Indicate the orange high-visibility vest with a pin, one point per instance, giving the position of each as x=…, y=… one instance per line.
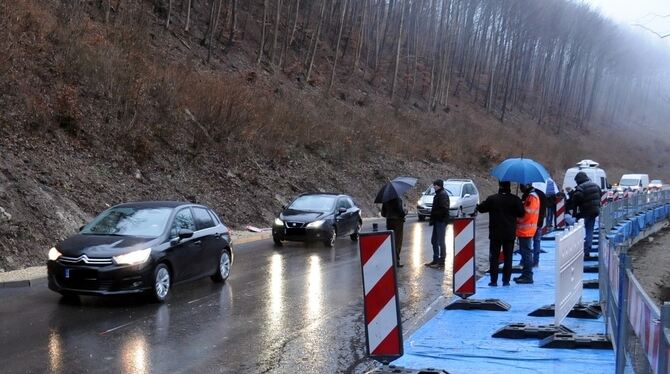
x=527, y=225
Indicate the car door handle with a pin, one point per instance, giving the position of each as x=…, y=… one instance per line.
x=198, y=242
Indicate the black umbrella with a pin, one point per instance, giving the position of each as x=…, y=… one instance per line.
x=394, y=189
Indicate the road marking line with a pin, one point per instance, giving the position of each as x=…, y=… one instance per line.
x=116, y=328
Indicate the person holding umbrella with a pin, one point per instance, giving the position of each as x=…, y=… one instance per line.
x=524, y=171
x=504, y=208
x=439, y=219
x=390, y=196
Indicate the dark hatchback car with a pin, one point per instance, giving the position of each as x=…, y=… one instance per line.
x=318, y=217
x=143, y=247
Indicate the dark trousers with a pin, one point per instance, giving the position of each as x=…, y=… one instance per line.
x=438, y=240
x=396, y=224
x=507, y=247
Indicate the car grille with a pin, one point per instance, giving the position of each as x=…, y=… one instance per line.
x=295, y=225
x=428, y=205
x=296, y=232
x=86, y=284
x=83, y=259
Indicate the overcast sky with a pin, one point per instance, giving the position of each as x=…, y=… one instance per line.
x=646, y=12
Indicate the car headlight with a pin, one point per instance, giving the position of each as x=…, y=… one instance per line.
x=419, y=203
x=316, y=224
x=54, y=254
x=279, y=222
x=133, y=258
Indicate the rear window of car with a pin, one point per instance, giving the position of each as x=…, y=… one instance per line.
x=202, y=219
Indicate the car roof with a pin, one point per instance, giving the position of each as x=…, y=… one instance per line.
x=156, y=204
x=323, y=194
x=459, y=180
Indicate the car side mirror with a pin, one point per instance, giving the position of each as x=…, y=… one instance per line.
x=609, y=186
x=283, y=207
x=185, y=234
x=342, y=210
x=466, y=196
x=81, y=227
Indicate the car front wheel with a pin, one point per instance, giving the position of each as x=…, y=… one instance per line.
x=277, y=241
x=223, y=268
x=162, y=283
x=422, y=218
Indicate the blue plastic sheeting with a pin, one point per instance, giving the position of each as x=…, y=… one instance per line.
x=460, y=341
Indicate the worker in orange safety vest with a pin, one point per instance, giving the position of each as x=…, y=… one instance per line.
x=525, y=230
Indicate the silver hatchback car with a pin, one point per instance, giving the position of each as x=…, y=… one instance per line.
x=463, y=199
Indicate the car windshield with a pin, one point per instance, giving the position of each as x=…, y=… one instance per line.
x=314, y=203
x=629, y=182
x=450, y=188
x=127, y=221
x=656, y=181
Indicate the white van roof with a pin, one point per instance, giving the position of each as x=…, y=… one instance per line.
x=587, y=164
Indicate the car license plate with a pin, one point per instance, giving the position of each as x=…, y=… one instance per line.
x=67, y=273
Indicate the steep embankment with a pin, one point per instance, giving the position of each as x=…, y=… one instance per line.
x=93, y=114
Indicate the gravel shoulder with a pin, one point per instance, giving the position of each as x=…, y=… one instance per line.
x=650, y=260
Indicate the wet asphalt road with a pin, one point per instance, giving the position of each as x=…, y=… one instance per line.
x=288, y=310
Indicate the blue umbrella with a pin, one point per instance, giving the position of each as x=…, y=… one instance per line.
x=520, y=170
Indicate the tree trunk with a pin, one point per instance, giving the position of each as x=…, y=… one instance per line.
x=337, y=48
x=265, y=21
x=316, y=42
x=276, y=33
x=188, y=16
x=397, y=52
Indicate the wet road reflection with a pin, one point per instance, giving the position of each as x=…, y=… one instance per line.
x=55, y=352
x=297, y=308
x=134, y=355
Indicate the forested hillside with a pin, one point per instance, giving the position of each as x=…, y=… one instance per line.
x=243, y=104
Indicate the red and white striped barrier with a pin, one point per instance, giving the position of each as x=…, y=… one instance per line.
x=560, y=213
x=645, y=325
x=603, y=199
x=464, y=257
x=383, y=329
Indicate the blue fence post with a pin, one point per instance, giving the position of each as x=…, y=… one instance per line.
x=622, y=313
x=663, y=347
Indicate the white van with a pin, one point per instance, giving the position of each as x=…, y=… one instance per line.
x=634, y=182
x=590, y=167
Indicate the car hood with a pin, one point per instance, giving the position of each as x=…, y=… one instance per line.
x=302, y=216
x=102, y=245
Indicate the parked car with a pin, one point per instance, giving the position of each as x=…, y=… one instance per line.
x=463, y=199
x=318, y=217
x=592, y=170
x=142, y=247
x=656, y=185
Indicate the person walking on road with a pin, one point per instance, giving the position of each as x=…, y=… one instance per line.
x=394, y=213
x=526, y=226
x=586, y=201
x=537, y=239
x=439, y=218
x=503, y=208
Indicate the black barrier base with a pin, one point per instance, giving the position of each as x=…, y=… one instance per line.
x=591, y=284
x=524, y=331
x=582, y=311
x=474, y=304
x=392, y=369
x=516, y=269
x=572, y=341
x=590, y=268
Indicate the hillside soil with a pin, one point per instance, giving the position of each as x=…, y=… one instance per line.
x=651, y=265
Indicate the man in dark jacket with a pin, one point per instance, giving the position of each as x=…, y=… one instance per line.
x=439, y=218
x=586, y=201
x=537, y=239
x=503, y=208
x=395, y=220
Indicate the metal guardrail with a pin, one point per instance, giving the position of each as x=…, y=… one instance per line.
x=639, y=329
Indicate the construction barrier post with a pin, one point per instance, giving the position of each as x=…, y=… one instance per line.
x=464, y=270
x=622, y=317
x=383, y=326
x=560, y=213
